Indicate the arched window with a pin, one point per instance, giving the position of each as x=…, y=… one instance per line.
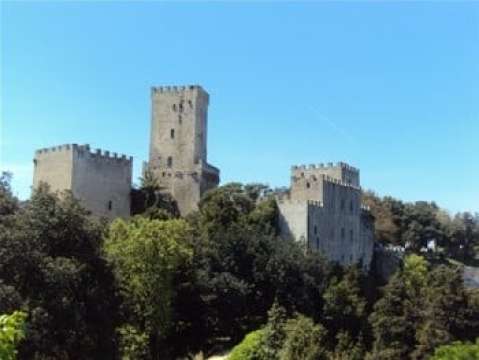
x=169, y=162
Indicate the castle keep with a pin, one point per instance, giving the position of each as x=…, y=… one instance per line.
x=178, y=144
x=100, y=180
x=323, y=210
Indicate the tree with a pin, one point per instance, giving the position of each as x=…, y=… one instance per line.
x=145, y=255
x=347, y=349
x=150, y=201
x=12, y=331
x=344, y=305
x=50, y=265
x=393, y=322
x=8, y=203
x=304, y=340
x=274, y=332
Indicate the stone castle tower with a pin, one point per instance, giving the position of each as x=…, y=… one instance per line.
x=100, y=180
x=323, y=210
x=178, y=144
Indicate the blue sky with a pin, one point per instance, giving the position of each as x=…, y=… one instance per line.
x=391, y=88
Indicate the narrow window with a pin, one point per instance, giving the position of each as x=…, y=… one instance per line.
x=181, y=107
x=351, y=207
x=180, y=119
x=308, y=185
x=317, y=243
x=174, y=107
x=172, y=133
x=110, y=205
x=342, y=204
x=190, y=103
x=342, y=233
x=315, y=230
x=169, y=161
x=351, y=235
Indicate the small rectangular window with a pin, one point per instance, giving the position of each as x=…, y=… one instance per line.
x=110, y=205
x=172, y=133
x=342, y=233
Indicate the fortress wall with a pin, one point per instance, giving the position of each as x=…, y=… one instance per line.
x=367, y=238
x=342, y=216
x=54, y=167
x=102, y=180
x=293, y=220
x=340, y=171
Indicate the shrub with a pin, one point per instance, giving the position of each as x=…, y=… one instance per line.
x=250, y=348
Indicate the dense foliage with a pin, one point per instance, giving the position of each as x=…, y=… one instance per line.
x=160, y=287
x=414, y=225
x=11, y=332
x=457, y=351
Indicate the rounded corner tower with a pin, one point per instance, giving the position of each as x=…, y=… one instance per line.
x=178, y=144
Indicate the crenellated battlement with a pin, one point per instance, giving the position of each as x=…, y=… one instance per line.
x=175, y=89
x=328, y=165
x=308, y=178
x=100, y=154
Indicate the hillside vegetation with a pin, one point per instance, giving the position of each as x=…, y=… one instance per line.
x=161, y=287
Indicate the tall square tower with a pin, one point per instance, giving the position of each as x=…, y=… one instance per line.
x=178, y=144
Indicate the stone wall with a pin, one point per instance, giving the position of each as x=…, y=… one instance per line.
x=53, y=166
x=100, y=180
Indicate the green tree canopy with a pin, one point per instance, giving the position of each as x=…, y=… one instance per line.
x=145, y=255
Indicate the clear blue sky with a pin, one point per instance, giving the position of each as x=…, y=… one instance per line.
x=391, y=88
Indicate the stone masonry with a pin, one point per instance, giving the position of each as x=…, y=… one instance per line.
x=323, y=210
x=178, y=144
x=100, y=180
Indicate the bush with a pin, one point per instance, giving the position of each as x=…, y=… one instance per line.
x=250, y=348
x=457, y=351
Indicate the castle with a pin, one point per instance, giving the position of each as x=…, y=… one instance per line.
x=322, y=209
